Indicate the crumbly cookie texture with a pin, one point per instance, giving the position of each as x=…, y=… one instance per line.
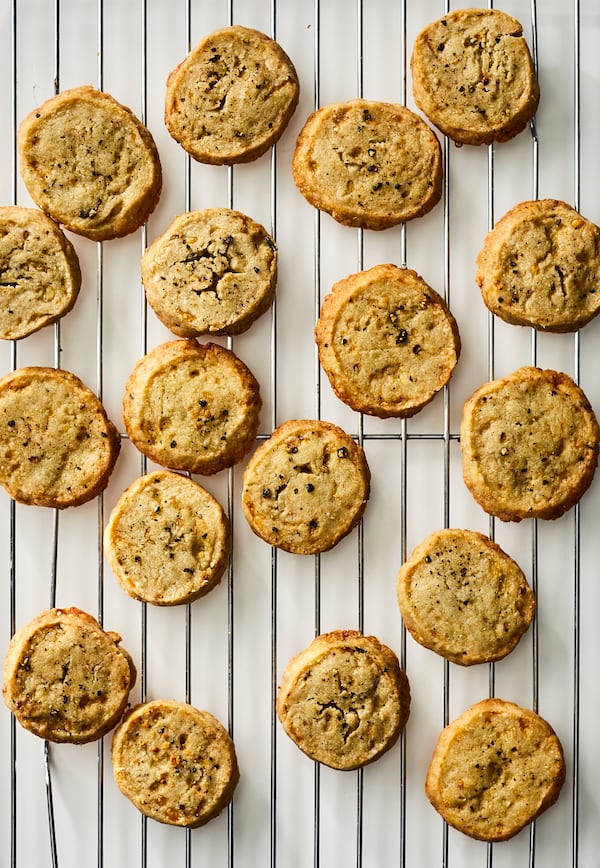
x=212, y=272
x=344, y=700
x=306, y=487
x=529, y=444
x=232, y=97
x=167, y=539
x=495, y=769
x=177, y=764
x=65, y=678
x=57, y=445
x=463, y=597
x=473, y=76
x=540, y=266
x=368, y=164
x=192, y=407
x=387, y=341
x=90, y=163
x=40, y=277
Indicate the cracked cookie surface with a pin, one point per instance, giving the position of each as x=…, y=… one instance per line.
x=529, y=444
x=463, y=597
x=167, y=539
x=306, y=487
x=65, y=678
x=176, y=763
x=369, y=164
x=90, y=163
x=473, y=76
x=495, y=769
x=192, y=407
x=387, y=341
x=57, y=446
x=40, y=277
x=540, y=267
x=212, y=272
x=344, y=699
x=232, y=97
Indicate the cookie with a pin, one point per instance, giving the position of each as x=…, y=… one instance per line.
x=90, y=163
x=368, y=164
x=167, y=539
x=473, y=76
x=192, y=407
x=211, y=272
x=540, y=266
x=175, y=763
x=232, y=97
x=463, y=597
x=529, y=444
x=40, y=277
x=306, y=487
x=65, y=678
x=57, y=445
x=387, y=341
x=495, y=769
x=344, y=700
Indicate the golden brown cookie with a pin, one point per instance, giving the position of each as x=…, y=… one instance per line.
x=90, y=163
x=40, y=275
x=463, y=597
x=387, y=341
x=192, y=407
x=344, y=700
x=211, y=272
x=167, y=539
x=540, y=266
x=529, y=444
x=232, y=97
x=306, y=487
x=65, y=678
x=177, y=764
x=57, y=445
x=369, y=164
x=473, y=76
x=495, y=769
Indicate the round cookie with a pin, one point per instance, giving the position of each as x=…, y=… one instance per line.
x=65, y=678
x=192, y=407
x=495, y=769
x=344, y=700
x=40, y=277
x=463, y=597
x=473, y=76
x=368, y=164
x=177, y=764
x=211, y=272
x=387, y=341
x=167, y=539
x=57, y=445
x=232, y=97
x=529, y=444
x=90, y=163
x=306, y=487
x=540, y=266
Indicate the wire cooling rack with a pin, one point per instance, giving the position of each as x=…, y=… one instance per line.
x=226, y=652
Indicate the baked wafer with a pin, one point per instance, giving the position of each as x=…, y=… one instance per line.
x=344, y=700
x=90, y=163
x=495, y=769
x=65, y=678
x=473, y=76
x=175, y=763
x=368, y=164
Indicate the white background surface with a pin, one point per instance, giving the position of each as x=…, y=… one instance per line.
x=271, y=604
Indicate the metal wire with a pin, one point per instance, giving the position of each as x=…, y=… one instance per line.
x=403, y=436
